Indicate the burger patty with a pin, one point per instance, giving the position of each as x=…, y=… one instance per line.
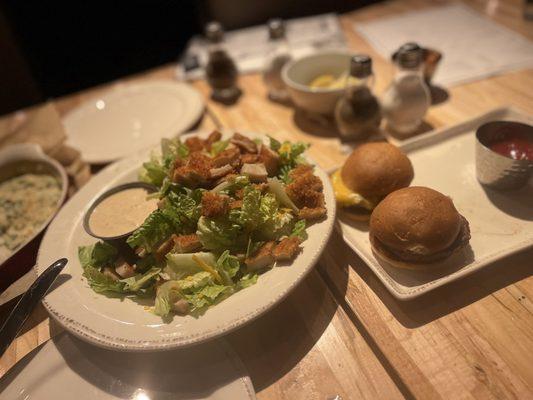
x=407, y=256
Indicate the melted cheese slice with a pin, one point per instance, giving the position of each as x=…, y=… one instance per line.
x=346, y=197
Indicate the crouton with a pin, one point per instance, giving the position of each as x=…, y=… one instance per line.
x=249, y=158
x=213, y=137
x=195, y=144
x=214, y=205
x=270, y=159
x=312, y=213
x=164, y=248
x=187, y=243
x=287, y=249
x=255, y=172
x=195, y=172
x=245, y=144
x=306, y=191
x=234, y=204
x=300, y=170
x=262, y=259
x=228, y=156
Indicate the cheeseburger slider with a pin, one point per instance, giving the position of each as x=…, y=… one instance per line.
x=371, y=172
x=415, y=227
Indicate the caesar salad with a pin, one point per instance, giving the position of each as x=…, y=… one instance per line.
x=227, y=211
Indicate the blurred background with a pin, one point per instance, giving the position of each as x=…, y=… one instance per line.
x=52, y=48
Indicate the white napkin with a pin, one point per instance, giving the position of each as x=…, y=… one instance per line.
x=249, y=46
x=473, y=46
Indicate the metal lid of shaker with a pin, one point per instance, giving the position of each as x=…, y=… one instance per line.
x=361, y=66
x=409, y=55
x=214, y=32
x=276, y=28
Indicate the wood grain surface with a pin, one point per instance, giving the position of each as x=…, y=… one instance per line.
x=340, y=332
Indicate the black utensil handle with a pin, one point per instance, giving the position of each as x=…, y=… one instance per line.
x=15, y=321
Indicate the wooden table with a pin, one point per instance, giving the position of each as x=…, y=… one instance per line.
x=340, y=332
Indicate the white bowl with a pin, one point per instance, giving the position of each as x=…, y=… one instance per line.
x=297, y=75
x=24, y=158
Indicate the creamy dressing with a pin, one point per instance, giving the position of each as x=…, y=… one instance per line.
x=121, y=212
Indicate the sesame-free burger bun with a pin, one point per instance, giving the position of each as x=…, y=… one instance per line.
x=416, y=220
x=377, y=169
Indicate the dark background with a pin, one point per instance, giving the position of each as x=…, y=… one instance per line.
x=52, y=48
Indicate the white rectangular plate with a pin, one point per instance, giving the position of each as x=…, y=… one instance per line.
x=500, y=223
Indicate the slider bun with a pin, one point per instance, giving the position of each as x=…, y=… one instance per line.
x=377, y=169
x=416, y=219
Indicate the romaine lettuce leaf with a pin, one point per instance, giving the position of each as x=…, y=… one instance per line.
x=100, y=282
x=249, y=215
x=97, y=255
x=181, y=265
x=218, y=147
x=227, y=267
x=153, y=172
x=247, y=280
x=206, y=296
x=156, y=228
x=220, y=234
x=167, y=294
x=199, y=290
x=280, y=225
x=299, y=230
x=140, y=281
x=274, y=144
x=231, y=185
x=172, y=149
x=158, y=168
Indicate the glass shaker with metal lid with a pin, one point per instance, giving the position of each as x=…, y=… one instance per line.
x=277, y=57
x=221, y=72
x=357, y=112
x=407, y=99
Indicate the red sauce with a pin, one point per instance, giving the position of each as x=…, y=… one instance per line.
x=515, y=146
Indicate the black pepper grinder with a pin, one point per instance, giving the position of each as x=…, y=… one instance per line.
x=358, y=113
x=220, y=71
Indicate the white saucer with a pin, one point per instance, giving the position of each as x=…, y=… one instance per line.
x=132, y=117
x=66, y=368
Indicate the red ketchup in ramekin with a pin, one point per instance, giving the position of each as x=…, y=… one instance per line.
x=513, y=145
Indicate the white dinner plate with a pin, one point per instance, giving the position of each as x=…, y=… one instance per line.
x=66, y=368
x=501, y=223
x=132, y=117
x=124, y=324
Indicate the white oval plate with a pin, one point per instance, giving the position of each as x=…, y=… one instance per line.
x=126, y=325
x=130, y=118
x=66, y=368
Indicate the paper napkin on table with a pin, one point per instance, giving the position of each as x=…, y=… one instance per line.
x=42, y=125
x=473, y=46
x=249, y=46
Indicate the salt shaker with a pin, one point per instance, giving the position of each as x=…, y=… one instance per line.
x=407, y=99
x=220, y=71
x=357, y=112
x=278, y=56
